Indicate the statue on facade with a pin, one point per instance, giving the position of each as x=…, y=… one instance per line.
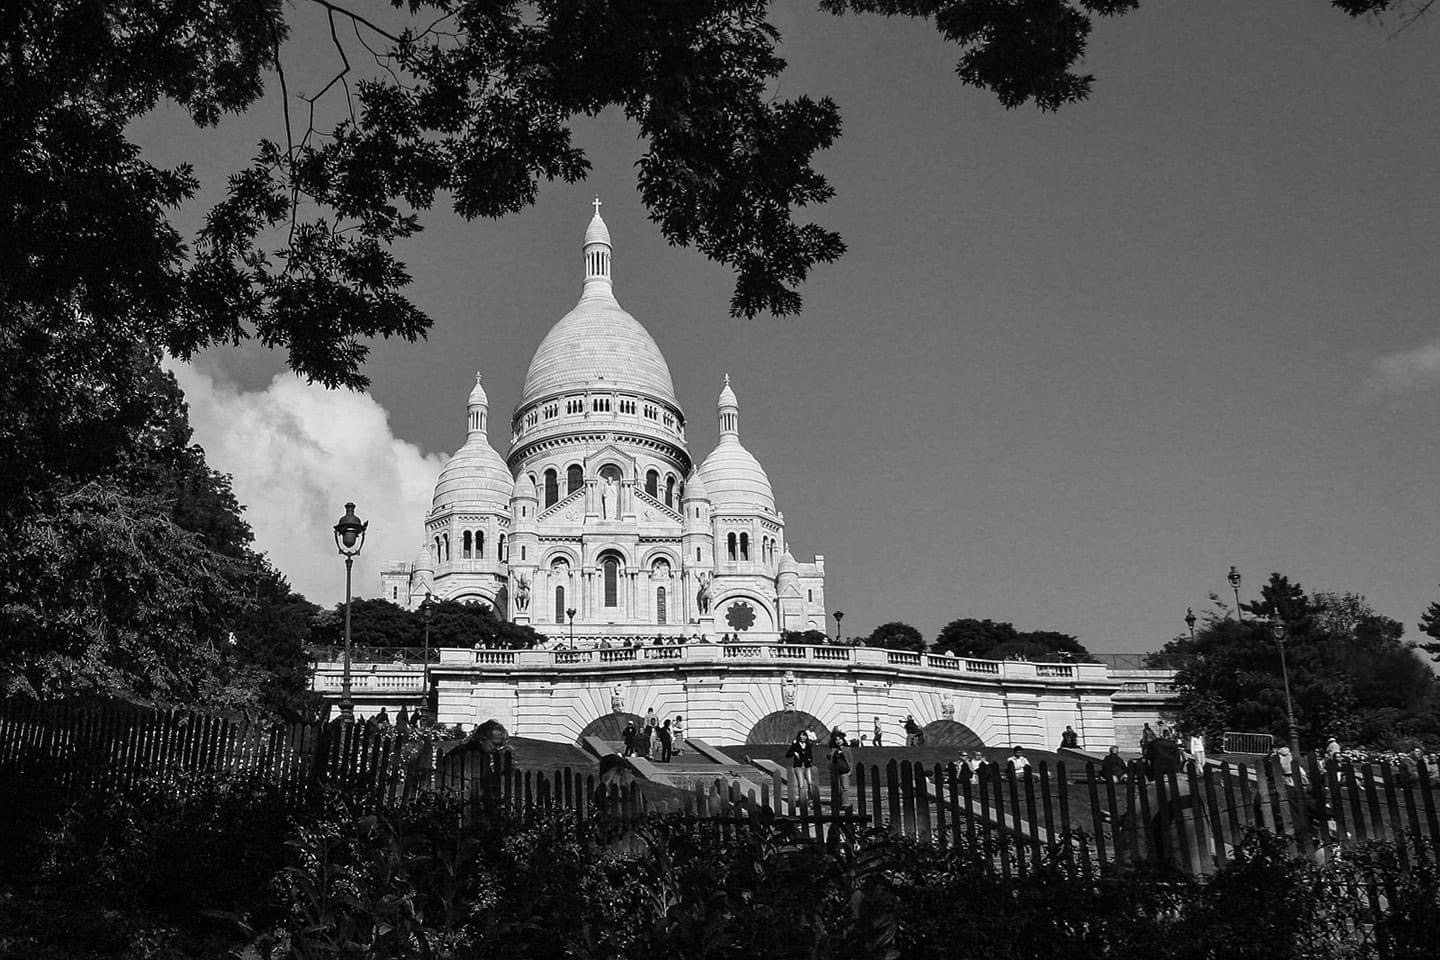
x=947, y=707
x=617, y=698
x=607, y=500
x=787, y=690
x=702, y=598
x=522, y=592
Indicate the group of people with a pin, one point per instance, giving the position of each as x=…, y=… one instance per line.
x=654, y=740
x=801, y=754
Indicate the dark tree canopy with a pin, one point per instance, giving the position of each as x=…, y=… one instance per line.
x=989, y=640
x=1430, y=626
x=1351, y=674
x=453, y=623
x=896, y=636
x=471, y=100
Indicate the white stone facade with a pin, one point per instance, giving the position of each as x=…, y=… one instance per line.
x=598, y=507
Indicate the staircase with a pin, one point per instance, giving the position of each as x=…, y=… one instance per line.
x=699, y=764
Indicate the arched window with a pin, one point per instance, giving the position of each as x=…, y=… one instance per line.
x=552, y=487
x=670, y=490
x=435, y=551
x=479, y=544
x=574, y=478
x=652, y=482
x=446, y=538
x=612, y=581
x=465, y=546
x=559, y=604
x=730, y=545
x=744, y=546
x=500, y=549
x=660, y=605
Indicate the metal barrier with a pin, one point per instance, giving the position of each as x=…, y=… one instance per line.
x=1233, y=742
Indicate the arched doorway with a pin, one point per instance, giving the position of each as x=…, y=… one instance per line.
x=780, y=727
x=610, y=727
x=949, y=733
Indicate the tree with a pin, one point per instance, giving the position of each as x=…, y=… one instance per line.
x=470, y=99
x=1430, y=626
x=1351, y=675
x=989, y=640
x=896, y=636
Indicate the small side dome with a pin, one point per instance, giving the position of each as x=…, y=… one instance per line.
x=423, y=563
x=788, y=566
x=524, y=488
x=476, y=478
x=695, y=487
x=734, y=479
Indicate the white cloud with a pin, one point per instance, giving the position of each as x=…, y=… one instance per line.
x=1405, y=370
x=297, y=453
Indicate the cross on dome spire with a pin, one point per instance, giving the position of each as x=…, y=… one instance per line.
x=597, y=255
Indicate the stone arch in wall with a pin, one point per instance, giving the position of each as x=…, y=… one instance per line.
x=780, y=727
x=610, y=727
x=951, y=733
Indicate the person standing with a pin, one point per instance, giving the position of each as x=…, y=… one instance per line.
x=402, y=724
x=840, y=765
x=629, y=737
x=1197, y=750
x=1018, y=763
x=877, y=734
x=913, y=736
x=802, y=759
x=1146, y=736
x=665, y=741
x=679, y=731
x=1112, y=768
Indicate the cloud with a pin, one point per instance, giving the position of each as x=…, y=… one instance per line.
x=297, y=453
x=1405, y=370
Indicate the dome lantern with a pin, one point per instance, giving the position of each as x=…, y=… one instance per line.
x=597, y=255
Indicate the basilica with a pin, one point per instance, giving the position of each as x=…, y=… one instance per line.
x=597, y=525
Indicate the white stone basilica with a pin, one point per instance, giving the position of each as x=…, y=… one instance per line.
x=598, y=509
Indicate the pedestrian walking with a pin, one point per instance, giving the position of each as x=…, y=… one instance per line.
x=629, y=737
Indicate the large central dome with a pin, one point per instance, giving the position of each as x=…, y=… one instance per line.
x=598, y=345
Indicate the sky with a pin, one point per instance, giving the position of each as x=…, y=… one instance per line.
x=1072, y=368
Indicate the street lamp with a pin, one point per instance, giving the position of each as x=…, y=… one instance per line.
x=839, y=615
x=1276, y=627
x=349, y=538
x=1234, y=577
x=571, y=614
x=427, y=610
x=1190, y=621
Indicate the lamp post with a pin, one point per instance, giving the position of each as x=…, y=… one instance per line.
x=349, y=538
x=839, y=615
x=1276, y=626
x=1234, y=577
x=571, y=614
x=427, y=611
x=1190, y=621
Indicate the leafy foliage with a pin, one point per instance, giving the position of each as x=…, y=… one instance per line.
x=1430, y=626
x=1351, y=674
x=453, y=623
x=896, y=636
x=989, y=640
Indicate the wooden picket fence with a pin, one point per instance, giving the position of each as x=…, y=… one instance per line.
x=1062, y=815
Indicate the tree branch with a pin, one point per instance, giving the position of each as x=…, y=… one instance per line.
x=334, y=8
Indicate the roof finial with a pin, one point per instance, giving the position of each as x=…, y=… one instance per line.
x=727, y=379
x=596, y=204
